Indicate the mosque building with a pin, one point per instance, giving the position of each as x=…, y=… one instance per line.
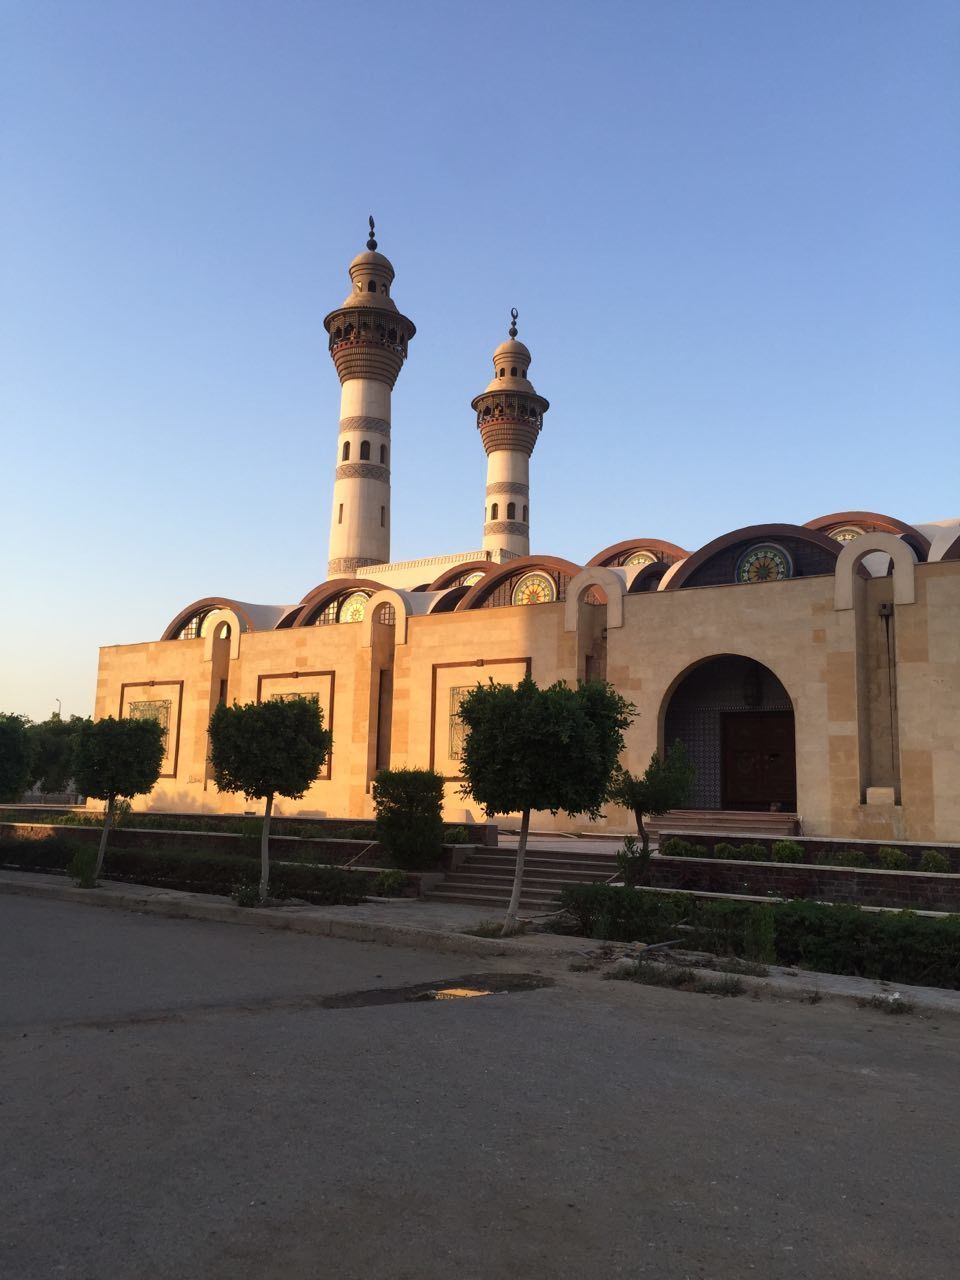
x=809, y=669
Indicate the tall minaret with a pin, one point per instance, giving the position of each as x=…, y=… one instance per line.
x=509, y=416
x=368, y=343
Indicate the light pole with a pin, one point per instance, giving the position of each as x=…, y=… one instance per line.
x=59, y=707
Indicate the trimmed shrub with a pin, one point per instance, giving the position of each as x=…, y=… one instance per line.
x=891, y=946
x=677, y=847
x=456, y=835
x=196, y=872
x=932, y=860
x=787, y=851
x=891, y=859
x=724, y=849
x=409, y=825
x=83, y=868
x=389, y=883
x=843, y=858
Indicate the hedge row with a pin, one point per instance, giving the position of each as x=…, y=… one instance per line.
x=196, y=872
x=245, y=825
x=891, y=946
x=887, y=858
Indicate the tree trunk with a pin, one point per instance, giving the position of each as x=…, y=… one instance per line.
x=265, y=850
x=643, y=832
x=107, y=823
x=510, y=923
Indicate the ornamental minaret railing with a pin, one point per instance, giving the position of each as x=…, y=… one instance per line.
x=368, y=344
x=509, y=418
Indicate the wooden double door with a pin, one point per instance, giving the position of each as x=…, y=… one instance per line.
x=759, y=761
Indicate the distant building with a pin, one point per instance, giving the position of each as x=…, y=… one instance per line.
x=808, y=668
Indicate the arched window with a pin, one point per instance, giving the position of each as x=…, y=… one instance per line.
x=372, y=287
x=511, y=511
x=523, y=373
x=364, y=450
x=345, y=453
x=340, y=514
x=383, y=455
x=513, y=372
x=503, y=373
x=495, y=511
x=524, y=515
x=383, y=517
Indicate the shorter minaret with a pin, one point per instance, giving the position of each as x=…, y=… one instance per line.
x=509, y=418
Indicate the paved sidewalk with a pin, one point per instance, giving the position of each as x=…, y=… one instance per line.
x=440, y=927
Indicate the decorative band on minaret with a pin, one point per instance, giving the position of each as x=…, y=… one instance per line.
x=368, y=344
x=509, y=418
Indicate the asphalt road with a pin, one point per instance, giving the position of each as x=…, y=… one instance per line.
x=176, y=1104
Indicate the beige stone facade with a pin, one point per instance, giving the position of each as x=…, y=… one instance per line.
x=812, y=668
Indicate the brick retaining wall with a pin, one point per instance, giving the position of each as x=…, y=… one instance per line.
x=905, y=889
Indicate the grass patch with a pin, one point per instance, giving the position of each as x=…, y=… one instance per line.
x=727, y=984
x=894, y=1005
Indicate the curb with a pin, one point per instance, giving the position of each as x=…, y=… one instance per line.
x=179, y=905
x=811, y=987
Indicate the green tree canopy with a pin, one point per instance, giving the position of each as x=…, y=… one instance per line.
x=117, y=758
x=16, y=757
x=665, y=784
x=54, y=744
x=266, y=749
x=531, y=748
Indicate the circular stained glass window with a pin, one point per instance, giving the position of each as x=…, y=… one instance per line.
x=535, y=588
x=764, y=563
x=471, y=579
x=641, y=558
x=846, y=534
x=354, y=608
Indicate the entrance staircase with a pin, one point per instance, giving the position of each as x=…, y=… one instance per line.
x=486, y=877
x=724, y=822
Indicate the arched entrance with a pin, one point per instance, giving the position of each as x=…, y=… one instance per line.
x=735, y=719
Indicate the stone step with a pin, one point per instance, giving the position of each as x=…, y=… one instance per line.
x=494, y=900
x=562, y=874
x=531, y=883
x=717, y=821
x=598, y=865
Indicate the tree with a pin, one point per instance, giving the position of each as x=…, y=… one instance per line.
x=115, y=758
x=54, y=742
x=530, y=748
x=16, y=756
x=665, y=784
x=266, y=749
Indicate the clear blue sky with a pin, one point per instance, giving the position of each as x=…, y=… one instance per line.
x=730, y=227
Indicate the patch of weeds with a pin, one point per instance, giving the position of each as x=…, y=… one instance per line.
x=749, y=968
x=580, y=966
x=491, y=929
x=82, y=866
x=893, y=1005
x=389, y=883
x=653, y=975
x=811, y=996
x=245, y=894
x=726, y=985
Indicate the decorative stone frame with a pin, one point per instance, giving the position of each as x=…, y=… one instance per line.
x=848, y=563
x=610, y=581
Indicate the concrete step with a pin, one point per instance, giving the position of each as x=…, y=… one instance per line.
x=721, y=821
x=587, y=866
x=531, y=883
x=562, y=875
